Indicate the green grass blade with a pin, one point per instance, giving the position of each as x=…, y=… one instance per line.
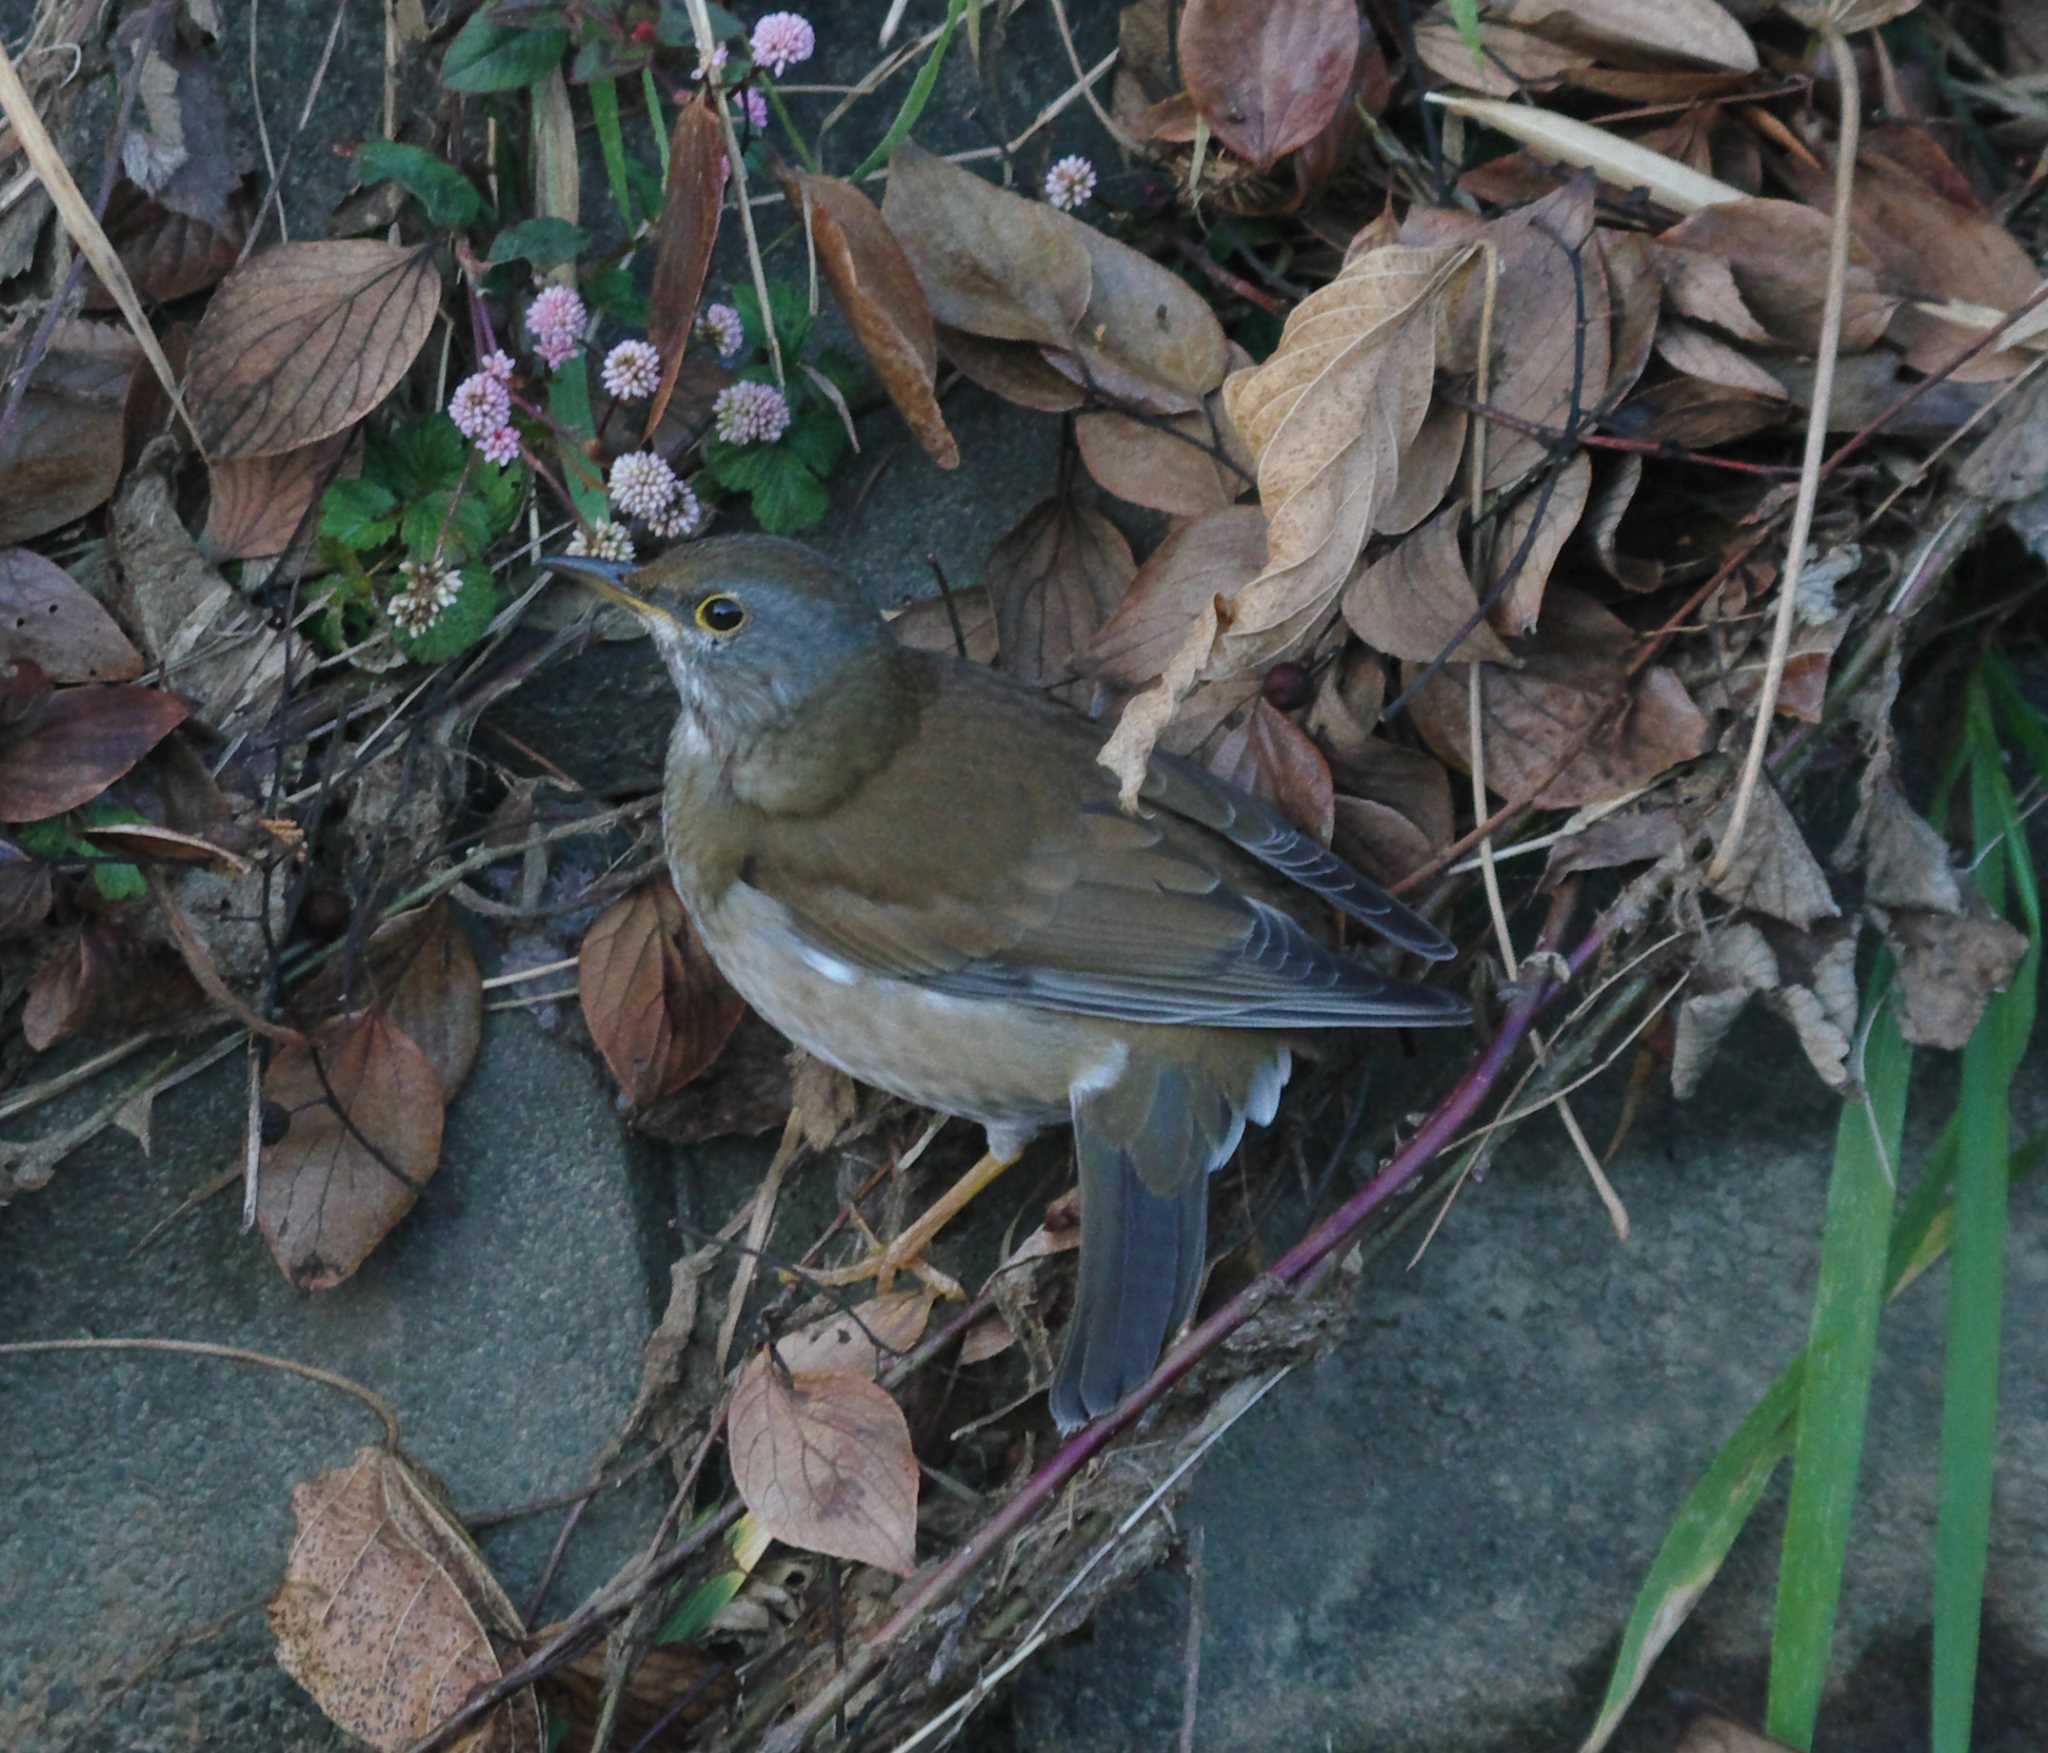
x=611, y=140
x=657, y=124
x=1835, y=1392
x=569, y=403
x=915, y=98
x=1969, y=1408
x=789, y=127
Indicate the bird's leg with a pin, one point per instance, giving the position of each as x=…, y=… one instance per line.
x=903, y=1253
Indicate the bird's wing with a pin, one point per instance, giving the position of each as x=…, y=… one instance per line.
x=1036, y=888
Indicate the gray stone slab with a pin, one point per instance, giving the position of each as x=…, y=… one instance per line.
x=502, y=1321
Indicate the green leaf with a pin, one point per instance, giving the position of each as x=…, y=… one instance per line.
x=359, y=513
x=115, y=879
x=442, y=523
x=611, y=291
x=611, y=140
x=495, y=57
x=462, y=623
x=788, y=497
x=1465, y=20
x=569, y=403
x=450, y=198
x=1835, y=1393
x=418, y=457
x=915, y=98
x=792, y=308
x=818, y=436
x=546, y=242
x=602, y=56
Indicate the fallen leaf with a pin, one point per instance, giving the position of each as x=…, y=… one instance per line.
x=304, y=339
x=1268, y=75
x=1402, y=817
x=1572, y=675
x=1214, y=556
x=1738, y=964
x=1774, y=255
x=1269, y=756
x=824, y=1463
x=256, y=505
x=1611, y=498
x=655, y=1003
x=860, y=1341
x=685, y=234
x=929, y=625
x=1905, y=861
x=1054, y=580
x=437, y=998
x=1416, y=598
x=64, y=989
x=1167, y=463
x=1146, y=716
x=1328, y=416
x=168, y=255
x=387, y=1613
x=81, y=741
x=351, y=1162
x=145, y=841
x=1015, y=370
x=51, y=619
x=1773, y=871
x=24, y=892
x=1949, y=967
x=1523, y=543
x=1510, y=61
x=1712, y=1733
x=885, y=307
x=1632, y=836
x=65, y=456
x=1691, y=30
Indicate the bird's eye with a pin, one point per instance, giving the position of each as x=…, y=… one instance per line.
x=721, y=614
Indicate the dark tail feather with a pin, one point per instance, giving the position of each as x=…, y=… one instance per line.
x=1141, y=1265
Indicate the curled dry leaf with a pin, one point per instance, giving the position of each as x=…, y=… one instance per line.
x=1511, y=62
x=388, y=1614
x=146, y=841
x=51, y=619
x=1568, y=727
x=1773, y=871
x=1402, y=816
x=65, y=458
x=1523, y=544
x=351, y=1162
x=684, y=237
x=1146, y=718
x=885, y=307
x=1215, y=556
x=1692, y=30
x=1948, y=969
x=861, y=1341
x=1772, y=256
x=304, y=339
x=1905, y=861
x=78, y=744
x=1268, y=75
x=657, y=1007
x=824, y=1462
x=1269, y=756
x=257, y=504
x=1054, y=580
x=1328, y=416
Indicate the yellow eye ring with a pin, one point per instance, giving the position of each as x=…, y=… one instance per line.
x=721, y=614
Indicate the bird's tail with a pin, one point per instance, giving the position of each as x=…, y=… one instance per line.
x=1146, y=1146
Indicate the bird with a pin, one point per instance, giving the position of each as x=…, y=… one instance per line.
x=916, y=868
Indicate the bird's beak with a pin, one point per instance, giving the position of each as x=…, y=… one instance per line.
x=607, y=578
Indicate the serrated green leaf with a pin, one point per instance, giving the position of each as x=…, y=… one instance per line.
x=442, y=523
x=418, y=457
x=359, y=513
x=817, y=437
x=461, y=624
x=494, y=57
x=792, y=308
x=452, y=201
x=611, y=292
x=788, y=497
x=545, y=242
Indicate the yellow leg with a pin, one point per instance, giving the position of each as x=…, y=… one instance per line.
x=903, y=1253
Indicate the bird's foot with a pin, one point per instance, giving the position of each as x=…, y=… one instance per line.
x=906, y=1252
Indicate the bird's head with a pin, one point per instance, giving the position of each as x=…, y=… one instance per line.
x=753, y=629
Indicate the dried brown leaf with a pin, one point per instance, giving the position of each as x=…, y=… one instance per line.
x=387, y=1613
x=928, y=625
x=51, y=619
x=1949, y=967
x=824, y=1463
x=884, y=305
x=351, y=1162
x=1015, y=370
x=1773, y=871
x=657, y=1006
x=1268, y=75
x=1143, y=726
x=1689, y=30
x=860, y=1341
x=168, y=255
x=685, y=235
x=1428, y=466
x=1906, y=863
x=1329, y=416
x=1403, y=816
x=1524, y=542
x=304, y=339
x=145, y=841
x=1512, y=61
x=1572, y=676
x=65, y=457
x=1166, y=463
x=1215, y=556
x=1269, y=756
x=1415, y=599
x=1609, y=504
x=24, y=892
x=65, y=988
x=1773, y=255
x=78, y=744
x=257, y=504
x=438, y=998
x=1054, y=580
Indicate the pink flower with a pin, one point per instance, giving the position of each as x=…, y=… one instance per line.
x=632, y=371
x=500, y=447
x=719, y=56
x=751, y=413
x=606, y=541
x=684, y=518
x=479, y=406
x=781, y=40
x=1070, y=182
x=557, y=322
x=720, y=325
x=641, y=484
x=499, y=366
x=756, y=107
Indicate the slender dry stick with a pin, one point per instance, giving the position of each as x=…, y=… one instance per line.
x=707, y=45
x=1117, y=132
x=1816, y=443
